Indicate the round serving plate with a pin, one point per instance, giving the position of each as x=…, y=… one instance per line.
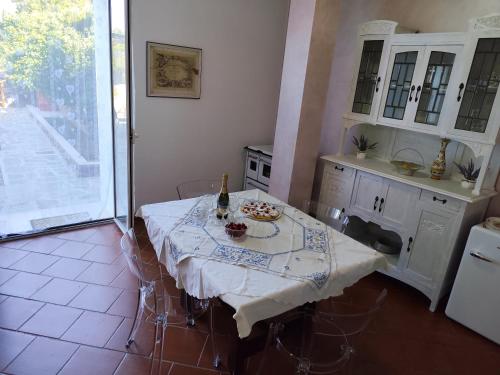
x=250, y=216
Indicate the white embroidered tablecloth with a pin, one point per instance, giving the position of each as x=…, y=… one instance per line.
x=278, y=266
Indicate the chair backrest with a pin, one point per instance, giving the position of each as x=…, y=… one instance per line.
x=331, y=216
x=197, y=188
x=353, y=317
x=303, y=338
x=132, y=253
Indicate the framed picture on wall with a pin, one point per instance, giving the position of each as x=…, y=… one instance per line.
x=173, y=71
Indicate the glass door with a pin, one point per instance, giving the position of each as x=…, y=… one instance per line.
x=439, y=71
x=400, y=90
x=55, y=115
x=368, y=80
x=478, y=95
x=121, y=117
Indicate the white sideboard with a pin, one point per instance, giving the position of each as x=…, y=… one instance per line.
x=410, y=90
x=429, y=228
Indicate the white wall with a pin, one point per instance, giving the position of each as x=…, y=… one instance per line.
x=185, y=139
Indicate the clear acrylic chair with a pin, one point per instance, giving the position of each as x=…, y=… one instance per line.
x=305, y=343
x=352, y=313
x=153, y=297
x=186, y=190
x=331, y=216
x=197, y=188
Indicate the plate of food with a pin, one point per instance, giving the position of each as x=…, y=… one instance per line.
x=260, y=210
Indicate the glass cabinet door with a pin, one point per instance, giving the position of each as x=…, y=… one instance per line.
x=400, y=89
x=481, y=88
x=368, y=79
x=433, y=88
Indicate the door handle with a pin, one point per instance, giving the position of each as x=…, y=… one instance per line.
x=410, y=241
x=377, y=85
x=375, y=203
x=411, y=92
x=460, y=88
x=416, y=94
x=339, y=169
x=478, y=255
x=380, y=205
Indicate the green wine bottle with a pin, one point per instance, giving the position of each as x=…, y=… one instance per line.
x=223, y=200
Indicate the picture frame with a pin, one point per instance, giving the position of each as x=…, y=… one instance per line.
x=173, y=71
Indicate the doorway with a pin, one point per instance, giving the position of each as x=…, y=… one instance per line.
x=64, y=138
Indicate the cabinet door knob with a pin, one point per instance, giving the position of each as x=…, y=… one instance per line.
x=416, y=94
x=339, y=169
x=377, y=85
x=411, y=93
x=380, y=205
x=443, y=201
x=460, y=88
x=410, y=240
x=375, y=203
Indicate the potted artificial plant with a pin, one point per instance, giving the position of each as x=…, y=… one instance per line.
x=362, y=146
x=469, y=173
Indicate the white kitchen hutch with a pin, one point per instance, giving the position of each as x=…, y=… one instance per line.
x=409, y=91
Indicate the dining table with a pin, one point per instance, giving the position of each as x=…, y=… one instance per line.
x=276, y=267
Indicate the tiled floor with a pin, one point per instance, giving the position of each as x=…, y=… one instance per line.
x=67, y=303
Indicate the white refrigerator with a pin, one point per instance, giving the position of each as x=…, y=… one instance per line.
x=475, y=297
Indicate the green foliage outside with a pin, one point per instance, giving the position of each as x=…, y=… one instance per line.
x=47, y=58
x=48, y=44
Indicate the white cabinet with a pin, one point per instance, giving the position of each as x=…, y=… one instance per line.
x=337, y=185
x=415, y=91
x=430, y=246
x=397, y=203
x=369, y=73
x=430, y=226
x=438, y=83
x=389, y=202
x=366, y=195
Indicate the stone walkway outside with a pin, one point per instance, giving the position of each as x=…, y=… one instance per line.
x=35, y=180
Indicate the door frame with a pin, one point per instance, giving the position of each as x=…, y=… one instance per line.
x=130, y=134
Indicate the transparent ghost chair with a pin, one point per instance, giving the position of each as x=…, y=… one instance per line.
x=197, y=188
x=331, y=216
x=353, y=311
x=153, y=297
x=305, y=343
x=186, y=190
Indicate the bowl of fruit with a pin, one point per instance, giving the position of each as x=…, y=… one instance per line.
x=236, y=231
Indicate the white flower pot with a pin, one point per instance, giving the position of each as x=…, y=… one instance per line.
x=360, y=155
x=466, y=184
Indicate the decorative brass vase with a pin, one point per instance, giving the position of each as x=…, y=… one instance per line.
x=439, y=165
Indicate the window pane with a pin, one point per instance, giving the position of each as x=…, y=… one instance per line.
x=367, y=76
x=434, y=88
x=399, y=85
x=481, y=87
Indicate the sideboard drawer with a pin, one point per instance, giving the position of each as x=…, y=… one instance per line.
x=339, y=170
x=440, y=200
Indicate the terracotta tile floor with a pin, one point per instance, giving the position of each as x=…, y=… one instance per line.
x=67, y=303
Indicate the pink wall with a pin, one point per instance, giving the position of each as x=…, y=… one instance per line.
x=422, y=15
x=308, y=58
x=298, y=39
